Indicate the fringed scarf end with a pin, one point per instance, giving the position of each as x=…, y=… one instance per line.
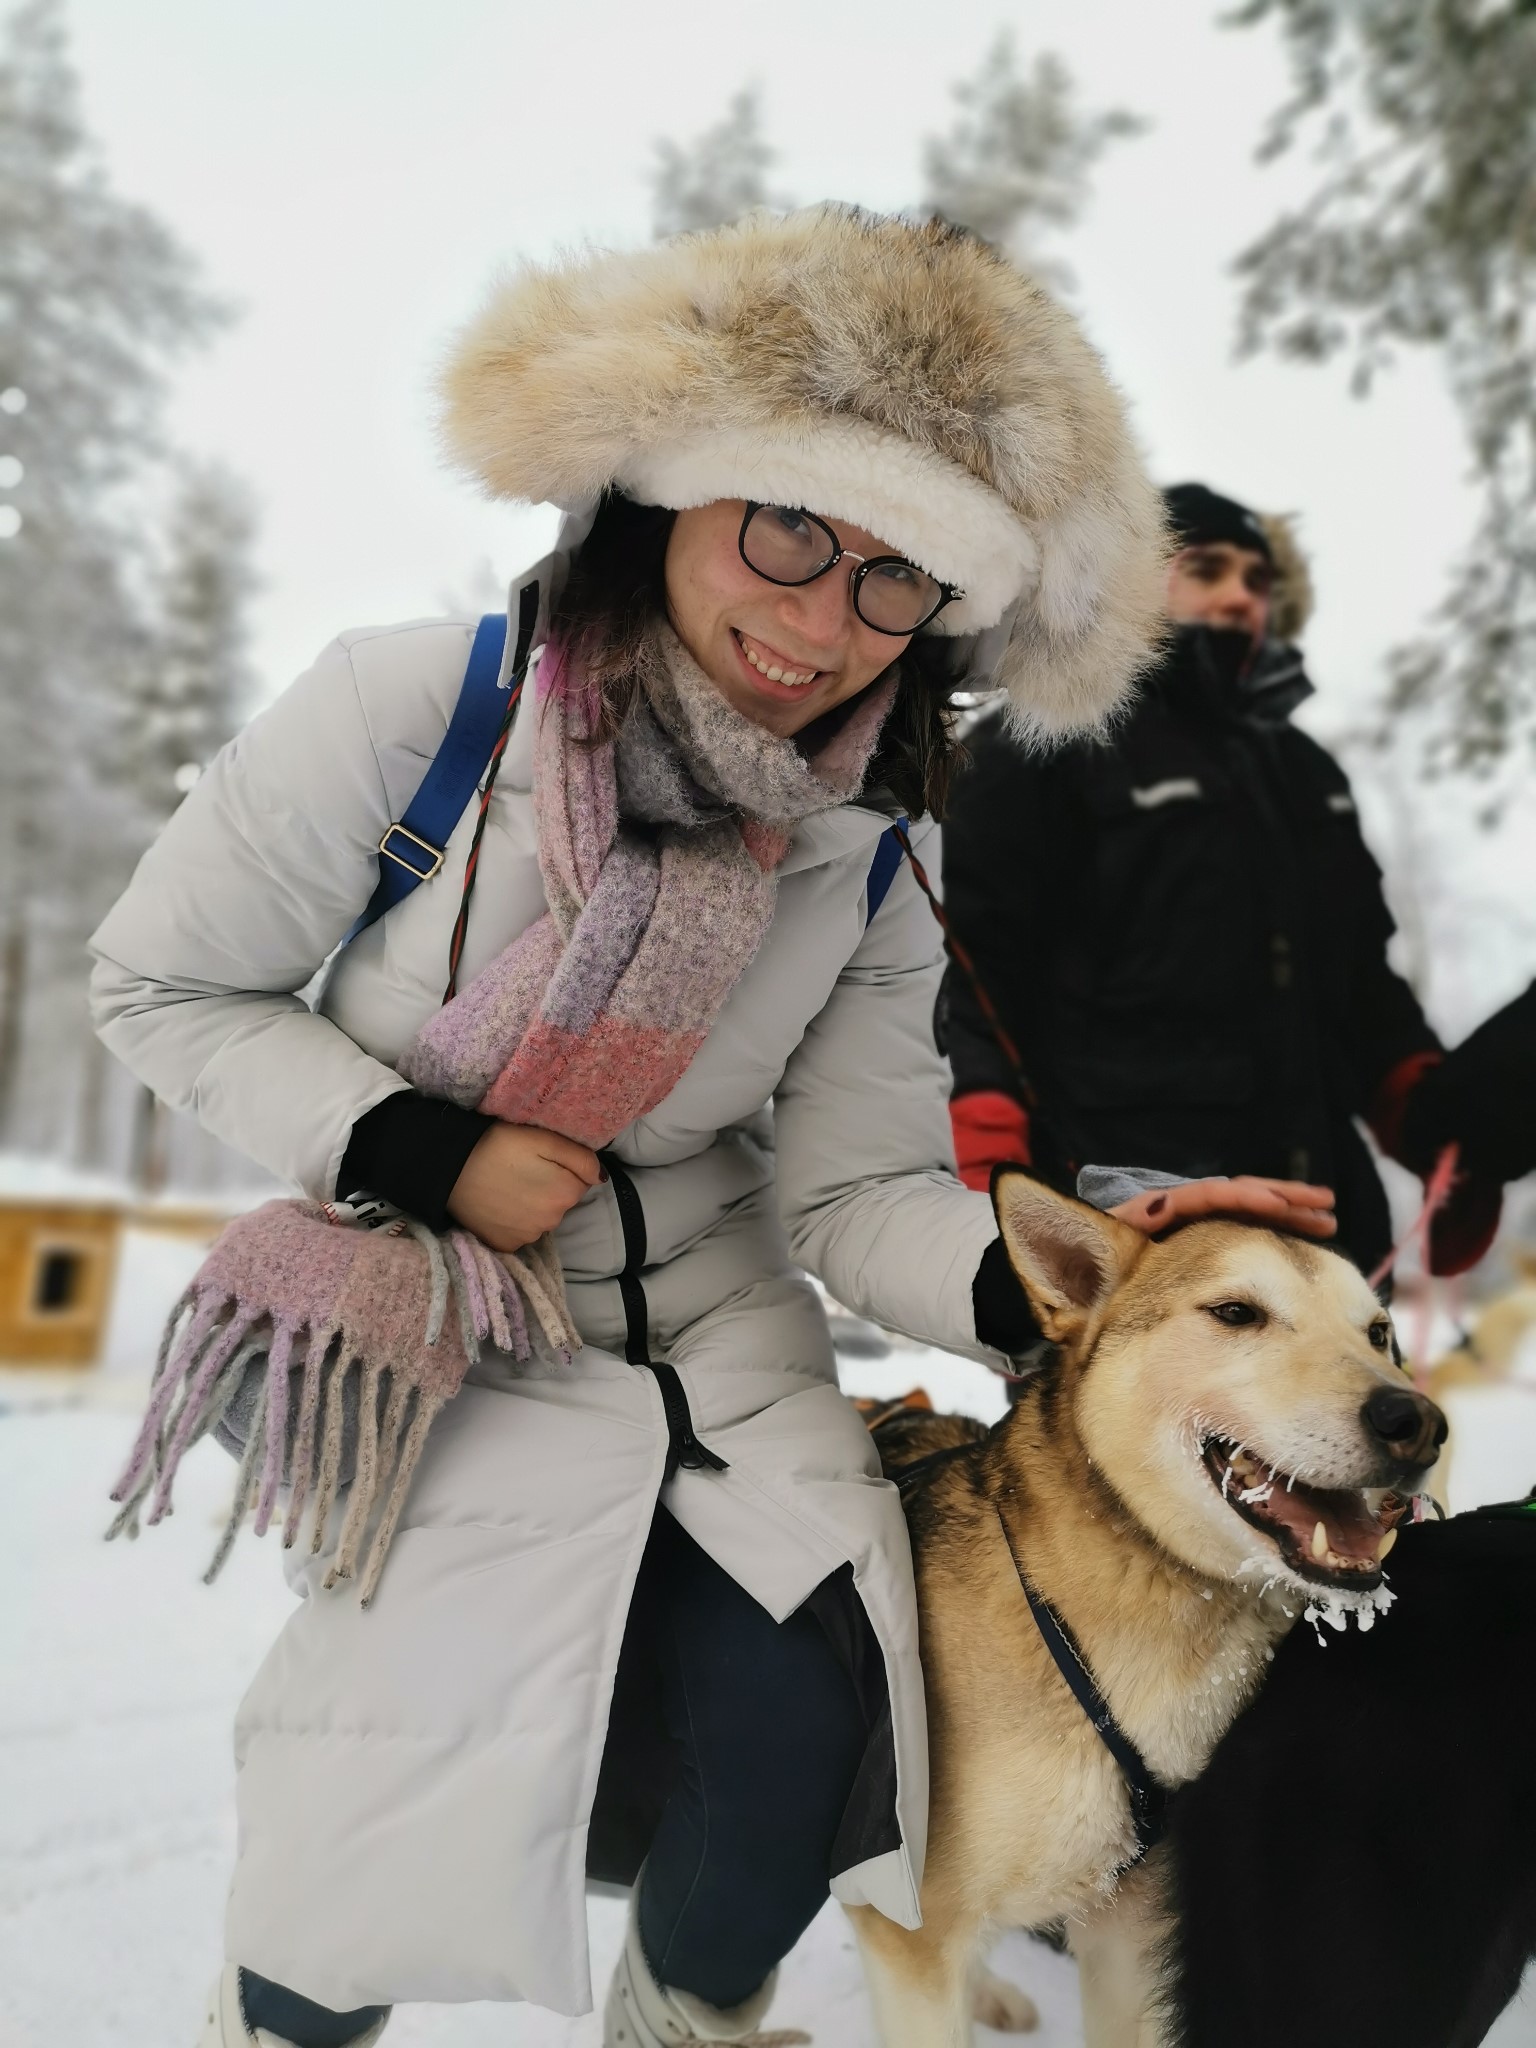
x=198, y=1370
x=465, y=1296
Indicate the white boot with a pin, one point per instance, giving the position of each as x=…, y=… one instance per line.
x=224, y=2023
x=641, y=2013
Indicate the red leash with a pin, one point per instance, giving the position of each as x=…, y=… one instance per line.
x=967, y=967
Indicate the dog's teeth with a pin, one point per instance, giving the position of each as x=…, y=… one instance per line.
x=1320, y=1540
x=1385, y=1544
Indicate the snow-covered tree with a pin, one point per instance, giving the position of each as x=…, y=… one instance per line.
x=188, y=695
x=191, y=690
x=719, y=176
x=96, y=301
x=1015, y=163
x=1421, y=233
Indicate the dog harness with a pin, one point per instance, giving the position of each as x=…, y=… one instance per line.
x=1149, y=1799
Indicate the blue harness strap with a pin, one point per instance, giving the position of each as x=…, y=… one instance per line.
x=882, y=869
x=411, y=852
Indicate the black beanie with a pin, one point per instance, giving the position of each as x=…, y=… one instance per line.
x=1199, y=516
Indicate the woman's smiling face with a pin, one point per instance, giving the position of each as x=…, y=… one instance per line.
x=740, y=628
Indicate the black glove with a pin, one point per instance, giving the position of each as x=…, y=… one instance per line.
x=410, y=1149
x=1482, y=1096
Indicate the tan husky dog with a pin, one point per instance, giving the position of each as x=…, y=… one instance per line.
x=1206, y=1459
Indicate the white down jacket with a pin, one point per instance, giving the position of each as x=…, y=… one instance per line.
x=416, y=1781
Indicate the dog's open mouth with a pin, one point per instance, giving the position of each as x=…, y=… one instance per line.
x=1334, y=1538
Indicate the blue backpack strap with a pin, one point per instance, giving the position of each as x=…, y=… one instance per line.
x=882, y=869
x=411, y=852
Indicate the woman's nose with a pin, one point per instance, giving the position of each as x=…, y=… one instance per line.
x=822, y=612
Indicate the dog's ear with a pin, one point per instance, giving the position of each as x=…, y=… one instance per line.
x=1069, y=1258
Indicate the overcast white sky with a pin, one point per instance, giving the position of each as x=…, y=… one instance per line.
x=352, y=172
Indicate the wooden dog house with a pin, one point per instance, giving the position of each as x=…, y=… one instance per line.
x=67, y=1238
x=58, y=1258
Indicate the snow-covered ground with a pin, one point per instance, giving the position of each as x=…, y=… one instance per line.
x=121, y=1676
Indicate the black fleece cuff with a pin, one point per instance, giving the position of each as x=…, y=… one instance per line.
x=409, y=1149
x=1003, y=1318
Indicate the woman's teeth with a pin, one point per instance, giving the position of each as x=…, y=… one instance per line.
x=776, y=674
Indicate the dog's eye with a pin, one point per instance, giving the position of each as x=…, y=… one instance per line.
x=1380, y=1335
x=1235, y=1313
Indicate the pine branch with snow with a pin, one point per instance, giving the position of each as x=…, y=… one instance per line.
x=1015, y=164
x=1420, y=234
x=718, y=177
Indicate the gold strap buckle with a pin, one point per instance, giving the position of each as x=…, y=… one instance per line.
x=421, y=874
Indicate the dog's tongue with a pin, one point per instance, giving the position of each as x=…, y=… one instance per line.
x=1349, y=1528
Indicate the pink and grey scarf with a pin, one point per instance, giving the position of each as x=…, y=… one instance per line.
x=660, y=854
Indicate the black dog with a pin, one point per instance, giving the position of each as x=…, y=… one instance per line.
x=1356, y=1868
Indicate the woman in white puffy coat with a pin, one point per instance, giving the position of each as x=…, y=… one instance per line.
x=421, y=1782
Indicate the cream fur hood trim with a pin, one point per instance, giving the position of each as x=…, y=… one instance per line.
x=904, y=378
x=1290, y=602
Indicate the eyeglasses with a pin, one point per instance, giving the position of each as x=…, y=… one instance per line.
x=790, y=547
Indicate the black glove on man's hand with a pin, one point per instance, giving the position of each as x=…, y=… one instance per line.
x=1482, y=1097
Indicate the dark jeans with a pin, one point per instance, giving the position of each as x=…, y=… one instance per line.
x=770, y=1733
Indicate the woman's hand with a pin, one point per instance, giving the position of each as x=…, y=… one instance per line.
x=519, y=1182
x=1283, y=1204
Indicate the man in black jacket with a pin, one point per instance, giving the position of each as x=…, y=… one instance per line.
x=1184, y=936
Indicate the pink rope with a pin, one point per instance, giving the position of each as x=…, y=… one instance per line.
x=1437, y=1192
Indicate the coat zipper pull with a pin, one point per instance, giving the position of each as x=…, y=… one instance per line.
x=699, y=1457
x=683, y=1447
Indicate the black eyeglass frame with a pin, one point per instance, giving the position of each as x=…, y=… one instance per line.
x=948, y=592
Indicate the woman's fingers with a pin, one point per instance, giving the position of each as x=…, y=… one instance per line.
x=1301, y=1194
x=519, y=1182
x=1295, y=1205
x=578, y=1159
x=1287, y=1205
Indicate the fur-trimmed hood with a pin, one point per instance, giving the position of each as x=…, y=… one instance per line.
x=1290, y=600
x=902, y=377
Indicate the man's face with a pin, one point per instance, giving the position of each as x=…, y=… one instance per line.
x=1216, y=583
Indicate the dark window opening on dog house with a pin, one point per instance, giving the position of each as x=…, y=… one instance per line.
x=58, y=1283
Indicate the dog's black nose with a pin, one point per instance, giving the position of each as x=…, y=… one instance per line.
x=1411, y=1427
